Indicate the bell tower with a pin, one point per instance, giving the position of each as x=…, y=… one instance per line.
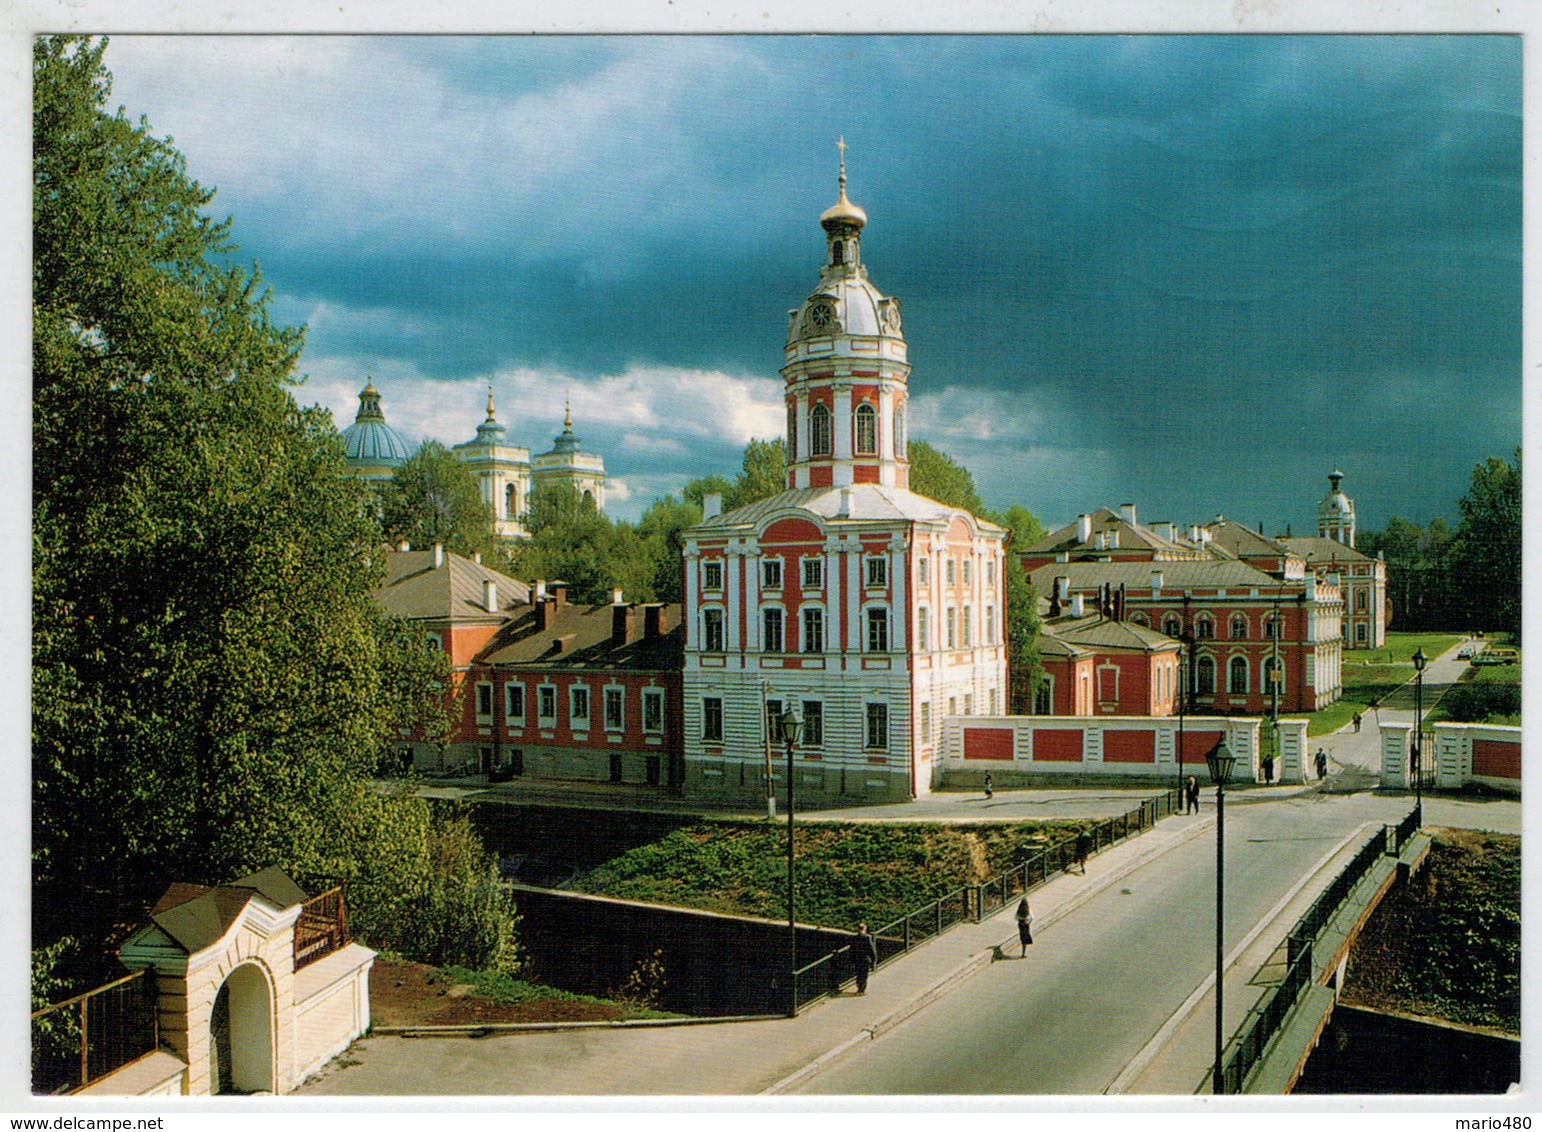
x=846, y=369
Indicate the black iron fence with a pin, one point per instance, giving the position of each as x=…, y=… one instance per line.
x=87, y=1037
x=973, y=903
x=1268, y=1015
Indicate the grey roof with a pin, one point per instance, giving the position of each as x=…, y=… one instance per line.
x=1100, y=633
x=1137, y=575
x=195, y=916
x=579, y=636
x=414, y=588
x=1242, y=540
x=1317, y=550
x=1132, y=536
x=868, y=501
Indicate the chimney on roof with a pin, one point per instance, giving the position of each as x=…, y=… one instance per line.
x=1194, y=533
x=1063, y=556
x=846, y=494
x=476, y=556
x=559, y=593
x=615, y=595
x=1078, y=605
x=1156, y=583
x=1128, y=511
x=438, y=555
x=545, y=609
x=404, y=546
x=1260, y=526
x=490, y=595
x=711, y=505
x=653, y=621
x=623, y=618
x=539, y=594
x=1083, y=528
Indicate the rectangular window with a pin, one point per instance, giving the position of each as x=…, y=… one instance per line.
x=774, y=732
x=993, y=701
x=547, y=703
x=653, y=710
x=990, y=625
x=952, y=705
x=712, y=630
x=924, y=571
x=1360, y=634
x=484, y=701
x=772, y=640
x=813, y=723
x=877, y=630
x=771, y=574
x=877, y=727
x=711, y=720
x=952, y=625
x=578, y=708
x=712, y=575
x=966, y=571
x=990, y=571
x=813, y=630
x=813, y=573
x=877, y=573
x=614, y=703
x=968, y=703
x=514, y=702
x=968, y=627
x=952, y=566
x=926, y=721
x=923, y=634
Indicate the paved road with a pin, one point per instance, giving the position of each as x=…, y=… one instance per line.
x=1096, y=987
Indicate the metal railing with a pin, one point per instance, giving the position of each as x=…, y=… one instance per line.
x=1268, y=1016
x=973, y=903
x=91, y=1035
x=322, y=927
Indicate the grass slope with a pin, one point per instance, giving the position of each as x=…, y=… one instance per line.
x=847, y=872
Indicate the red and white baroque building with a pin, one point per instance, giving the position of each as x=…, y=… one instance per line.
x=878, y=612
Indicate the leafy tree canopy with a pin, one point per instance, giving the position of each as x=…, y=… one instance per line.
x=938, y=476
x=433, y=497
x=211, y=676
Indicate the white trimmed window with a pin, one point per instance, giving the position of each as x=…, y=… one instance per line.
x=1239, y=627
x=819, y=431
x=877, y=731
x=813, y=723
x=712, y=630
x=924, y=571
x=993, y=701
x=546, y=704
x=1171, y=627
x=952, y=629
x=484, y=702
x=990, y=625
x=514, y=703
x=990, y=571
x=923, y=629
x=813, y=573
x=899, y=431
x=968, y=627
x=877, y=629
x=813, y=629
x=966, y=571
x=1237, y=676
x=771, y=637
x=711, y=719
x=615, y=709
x=1204, y=628
x=1204, y=676
x=968, y=703
x=771, y=574
x=653, y=710
x=712, y=574
x=926, y=721
x=865, y=421
x=950, y=569
x=877, y=573
x=578, y=707
x=774, y=732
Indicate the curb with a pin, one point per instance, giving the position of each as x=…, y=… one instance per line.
x=971, y=967
x=1148, y=1053
x=489, y=1029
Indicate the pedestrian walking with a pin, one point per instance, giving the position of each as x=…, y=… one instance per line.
x=864, y=955
x=1083, y=850
x=1024, y=926
x=1268, y=770
x=1321, y=760
x=990, y=791
x=1357, y=723
x=1191, y=793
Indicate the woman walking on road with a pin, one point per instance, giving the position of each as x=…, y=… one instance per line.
x=1024, y=926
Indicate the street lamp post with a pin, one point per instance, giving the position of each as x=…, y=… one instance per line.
x=1183, y=700
x=792, y=731
x=1419, y=661
x=1220, y=761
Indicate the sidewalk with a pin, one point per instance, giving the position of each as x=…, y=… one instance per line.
x=773, y=1055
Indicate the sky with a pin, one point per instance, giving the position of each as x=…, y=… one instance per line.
x=1194, y=273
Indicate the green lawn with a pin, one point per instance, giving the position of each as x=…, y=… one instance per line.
x=1372, y=675
x=1400, y=648
x=1488, y=694
x=848, y=872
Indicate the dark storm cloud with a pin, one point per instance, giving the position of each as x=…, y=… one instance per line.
x=1213, y=266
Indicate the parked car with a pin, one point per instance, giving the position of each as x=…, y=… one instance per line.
x=1490, y=657
x=1468, y=652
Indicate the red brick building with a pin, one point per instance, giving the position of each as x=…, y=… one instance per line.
x=1097, y=666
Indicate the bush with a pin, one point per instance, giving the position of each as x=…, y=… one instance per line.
x=1477, y=702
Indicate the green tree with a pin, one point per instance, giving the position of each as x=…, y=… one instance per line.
x=762, y=474
x=1023, y=523
x=433, y=497
x=1484, y=555
x=211, y=676
x=938, y=476
x=660, y=530
x=572, y=541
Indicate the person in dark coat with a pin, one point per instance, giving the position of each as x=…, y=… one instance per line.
x=1083, y=850
x=1191, y=789
x=1024, y=926
x=864, y=955
x=990, y=791
x=1322, y=763
x=1268, y=770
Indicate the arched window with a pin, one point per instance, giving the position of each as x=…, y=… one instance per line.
x=1171, y=627
x=1237, y=676
x=899, y=431
x=1204, y=628
x=866, y=423
x=1140, y=619
x=1360, y=600
x=510, y=501
x=819, y=431
x=1239, y=627
x=1204, y=677
x=838, y=253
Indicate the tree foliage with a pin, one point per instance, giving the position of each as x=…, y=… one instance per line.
x=433, y=497
x=938, y=476
x=211, y=675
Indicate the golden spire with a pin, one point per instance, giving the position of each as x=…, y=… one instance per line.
x=489, y=400
x=843, y=215
x=841, y=145
x=567, y=417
